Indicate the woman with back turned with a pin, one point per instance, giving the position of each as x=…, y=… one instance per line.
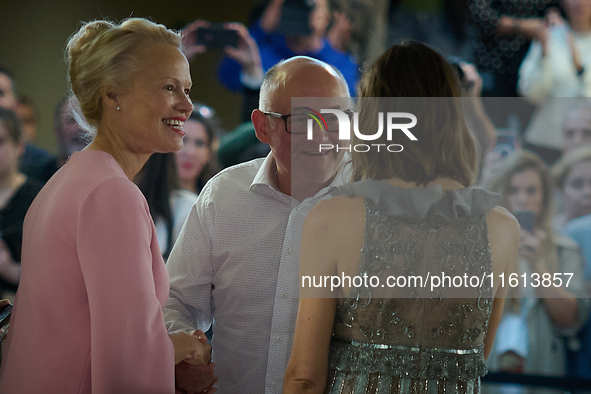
x=88, y=314
x=405, y=214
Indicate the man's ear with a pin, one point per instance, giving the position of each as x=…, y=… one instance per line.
x=261, y=126
x=110, y=98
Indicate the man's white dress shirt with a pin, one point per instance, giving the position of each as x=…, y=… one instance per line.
x=236, y=264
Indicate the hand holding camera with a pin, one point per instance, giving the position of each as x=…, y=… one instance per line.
x=234, y=38
x=190, y=38
x=246, y=51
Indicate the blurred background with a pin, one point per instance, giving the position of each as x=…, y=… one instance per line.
x=34, y=34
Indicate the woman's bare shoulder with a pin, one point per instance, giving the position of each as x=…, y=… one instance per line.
x=337, y=208
x=336, y=215
x=503, y=234
x=500, y=219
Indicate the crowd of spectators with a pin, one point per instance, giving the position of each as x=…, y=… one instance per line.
x=540, y=51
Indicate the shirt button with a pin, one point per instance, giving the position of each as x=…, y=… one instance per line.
x=284, y=295
x=289, y=251
x=299, y=209
x=278, y=339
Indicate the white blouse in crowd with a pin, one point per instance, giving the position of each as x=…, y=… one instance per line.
x=554, y=75
x=181, y=202
x=544, y=79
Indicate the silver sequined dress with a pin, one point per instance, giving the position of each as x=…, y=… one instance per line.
x=406, y=340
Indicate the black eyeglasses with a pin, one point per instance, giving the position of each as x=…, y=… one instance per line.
x=297, y=123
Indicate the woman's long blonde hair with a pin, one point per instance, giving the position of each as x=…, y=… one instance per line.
x=517, y=163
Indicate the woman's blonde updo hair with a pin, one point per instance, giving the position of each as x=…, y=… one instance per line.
x=102, y=53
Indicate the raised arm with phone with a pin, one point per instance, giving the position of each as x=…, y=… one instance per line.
x=237, y=43
x=286, y=28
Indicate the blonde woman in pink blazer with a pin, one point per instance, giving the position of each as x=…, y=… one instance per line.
x=88, y=313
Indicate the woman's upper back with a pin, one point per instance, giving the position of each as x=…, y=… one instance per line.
x=400, y=242
x=419, y=244
x=410, y=241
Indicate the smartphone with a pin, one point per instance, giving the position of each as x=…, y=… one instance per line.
x=5, y=315
x=526, y=220
x=456, y=64
x=295, y=18
x=216, y=36
x=505, y=145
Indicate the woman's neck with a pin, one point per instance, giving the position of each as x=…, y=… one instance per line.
x=130, y=163
x=188, y=184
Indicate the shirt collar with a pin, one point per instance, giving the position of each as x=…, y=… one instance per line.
x=266, y=175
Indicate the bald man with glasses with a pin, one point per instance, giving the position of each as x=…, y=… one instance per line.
x=235, y=265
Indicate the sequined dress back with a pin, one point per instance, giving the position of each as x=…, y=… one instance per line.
x=389, y=339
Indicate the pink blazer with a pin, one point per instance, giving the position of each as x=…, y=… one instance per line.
x=88, y=312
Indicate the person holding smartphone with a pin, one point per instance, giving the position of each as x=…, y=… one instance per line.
x=286, y=28
x=572, y=177
x=530, y=336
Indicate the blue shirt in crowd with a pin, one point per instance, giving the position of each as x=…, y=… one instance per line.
x=579, y=363
x=273, y=49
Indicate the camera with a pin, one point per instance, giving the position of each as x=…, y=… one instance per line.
x=216, y=36
x=295, y=18
x=456, y=62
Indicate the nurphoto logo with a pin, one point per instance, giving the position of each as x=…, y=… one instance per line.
x=341, y=122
